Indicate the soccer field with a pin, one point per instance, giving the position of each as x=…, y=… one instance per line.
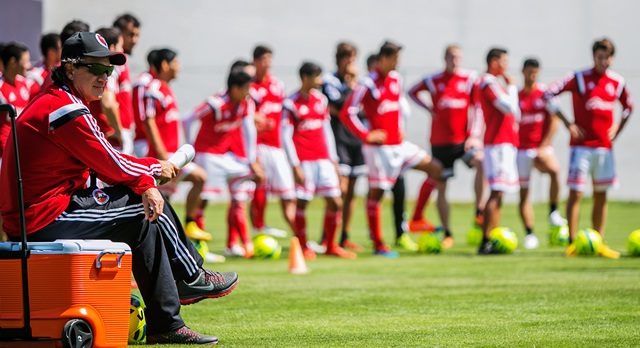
x=456, y=299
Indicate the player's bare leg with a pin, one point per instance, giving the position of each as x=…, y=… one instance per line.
x=347, y=186
x=599, y=211
x=573, y=215
x=526, y=215
x=197, y=177
x=332, y=217
x=289, y=212
x=444, y=212
x=549, y=165
x=431, y=166
x=492, y=212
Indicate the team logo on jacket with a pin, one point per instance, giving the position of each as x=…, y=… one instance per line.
x=609, y=89
x=102, y=41
x=100, y=197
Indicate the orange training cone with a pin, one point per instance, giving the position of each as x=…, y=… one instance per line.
x=297, y=265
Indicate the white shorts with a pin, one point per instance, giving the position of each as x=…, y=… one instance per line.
x=525, y=164
x=226, y=170
x=320, y=178
x=277, y=170
x=597, y=162
x=127, y=142
x=387, y=162
x=141, y=148
x=500, y=167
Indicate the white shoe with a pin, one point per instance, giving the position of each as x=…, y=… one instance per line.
x=556, y=219
x=214, y=258
x=235, y=250
x=317, y=248
x=274, y=232
x=531, y=241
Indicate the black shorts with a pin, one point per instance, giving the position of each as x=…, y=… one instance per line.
x=351, y=159
x=447, y=155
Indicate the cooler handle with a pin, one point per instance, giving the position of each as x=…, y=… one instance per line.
x=110, y=252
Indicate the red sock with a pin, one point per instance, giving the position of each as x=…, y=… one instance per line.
x=331, y=220
x=258, y=205
x=375, y=231
x=199, y=219
x=232, y=227
x=240, y=216
x=301, y=228
x=423, y=198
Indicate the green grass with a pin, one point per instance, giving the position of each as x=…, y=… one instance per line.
x=456, y=299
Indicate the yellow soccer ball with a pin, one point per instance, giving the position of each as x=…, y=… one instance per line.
x=137, y=321
x=588, y=242
x=266, y=247
x=504, y=239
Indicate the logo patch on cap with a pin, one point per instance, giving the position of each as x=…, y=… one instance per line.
x=100, y=197
x=102, y=41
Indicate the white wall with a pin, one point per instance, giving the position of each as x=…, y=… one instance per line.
x=210, y=34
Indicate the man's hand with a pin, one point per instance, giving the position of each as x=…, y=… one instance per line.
x=613, y=132
x=256, y=168
x=298, y=175
x=153, y=204
x=169, y=171
x=377, y=137
x=510, y=80
x=575, y=131
x=472, y=142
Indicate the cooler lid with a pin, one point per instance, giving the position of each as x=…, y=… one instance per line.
x=67, y=246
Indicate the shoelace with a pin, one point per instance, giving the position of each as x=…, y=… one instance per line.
x=213, y=276
x=185, y=331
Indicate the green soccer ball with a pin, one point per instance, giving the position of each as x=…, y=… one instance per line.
x=137, y=321
x=559, y=235
x=633, y=244
x=474, y=236
x=266, y=247
x=429, y=243
x=588, y=242
x=504, y=239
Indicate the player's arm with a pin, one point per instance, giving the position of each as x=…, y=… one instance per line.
x=153, y=133
x=286, y=132
x=477, y=120
x=110, y=109
x=414, y=94
x=200, y=112
x=349, y=117
x=627, y=109
x=250, y=137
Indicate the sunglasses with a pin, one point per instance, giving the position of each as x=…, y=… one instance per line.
x=98, y=69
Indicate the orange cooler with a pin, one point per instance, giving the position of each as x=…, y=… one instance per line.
x=76, y=287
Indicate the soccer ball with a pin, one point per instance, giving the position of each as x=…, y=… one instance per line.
x=559, y=235
x=137, y=321
x=588, y=242
x=429, y=243
x=474, y=236
x=202, y=247
x=504, y=239
x=633, y=244
x=266, y=247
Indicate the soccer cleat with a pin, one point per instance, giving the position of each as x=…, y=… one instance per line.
x=339, y=252
x=209, y=284
x=555, y=219
x=234, y=250
x=248, y=250
x=406, y=242
x=308, y=254
x=487, y=248
x=384, y=251
x=317, y=248
x=447, y=242
x=422, y=225
x=609, y=253
x=194, y=232
x=274, y=232
x=183, y=335
x=531, y=241
x=347, y=244
x=570, y=251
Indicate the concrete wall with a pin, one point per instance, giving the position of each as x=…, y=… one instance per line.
x=210, y=34
x=21, y=21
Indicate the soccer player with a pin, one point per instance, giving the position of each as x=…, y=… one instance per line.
x=336, y=86
x=386, y=152
x=451, y=96
x=310, y=146
x=140, y=85
x=268, y=93
x=162, y=122
x=500, y=111
x=538, y=125
x=51, y=48
x=71, y=28
x=226, y=149
x=593, y=130
x=129, y=27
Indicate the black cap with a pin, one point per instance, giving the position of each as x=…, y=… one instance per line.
x=88, y=44
x=389, y=48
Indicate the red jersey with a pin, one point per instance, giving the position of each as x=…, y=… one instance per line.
x=139, y=111
x=40, y=78
x=16, y=95
x=59, y=141
x=451, y=96
x=123, y=91
x=310, y=118
x=380, y=98
x=161, y=105
x=535, y=119
x=225, y=127
x=268, y=95
x=500, y=110
x=594, y=98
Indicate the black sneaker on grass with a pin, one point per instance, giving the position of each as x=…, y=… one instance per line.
x=183, y=335
x=209, y=284
x=487, y=248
